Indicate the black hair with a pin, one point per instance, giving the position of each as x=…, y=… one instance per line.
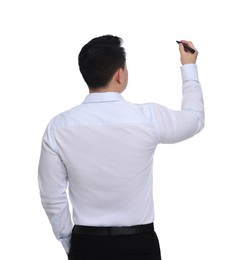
x=100, y=58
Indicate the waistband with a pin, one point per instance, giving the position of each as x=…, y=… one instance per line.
x=112, y=231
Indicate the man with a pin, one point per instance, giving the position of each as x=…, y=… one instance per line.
x=104, y=150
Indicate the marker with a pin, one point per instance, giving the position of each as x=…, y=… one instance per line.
x=187, y=47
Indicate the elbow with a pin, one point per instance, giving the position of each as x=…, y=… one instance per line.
x=200, y=118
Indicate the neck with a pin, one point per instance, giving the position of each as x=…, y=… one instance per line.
x=109, y=88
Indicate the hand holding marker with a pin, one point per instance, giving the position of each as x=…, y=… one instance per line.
x=186, y=47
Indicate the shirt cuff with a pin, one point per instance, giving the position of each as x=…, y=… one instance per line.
x=189, y=72
x=66, y=245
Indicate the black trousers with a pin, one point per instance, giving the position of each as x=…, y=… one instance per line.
x=144, y=246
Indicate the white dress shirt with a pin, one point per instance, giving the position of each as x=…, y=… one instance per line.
x=103, y=151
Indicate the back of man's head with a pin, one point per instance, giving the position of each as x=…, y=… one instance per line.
x=100, y=58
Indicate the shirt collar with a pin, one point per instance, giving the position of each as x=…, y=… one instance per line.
x=103, y=97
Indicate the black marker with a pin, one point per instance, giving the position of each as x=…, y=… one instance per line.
x=187, y=47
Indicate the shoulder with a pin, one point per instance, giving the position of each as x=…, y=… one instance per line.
x=148, y=110
x=64, y=118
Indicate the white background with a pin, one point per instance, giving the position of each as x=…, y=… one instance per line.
x=199, y=185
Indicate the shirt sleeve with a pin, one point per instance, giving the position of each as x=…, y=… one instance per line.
x=176, y=126
x=53, y=183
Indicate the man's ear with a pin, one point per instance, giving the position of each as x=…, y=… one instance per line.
x=119, y=75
